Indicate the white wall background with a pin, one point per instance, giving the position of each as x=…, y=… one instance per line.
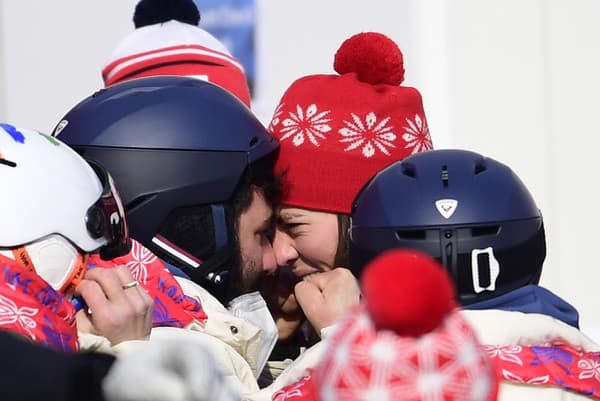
x=517, y=80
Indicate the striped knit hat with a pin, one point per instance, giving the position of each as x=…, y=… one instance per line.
x=167, y=41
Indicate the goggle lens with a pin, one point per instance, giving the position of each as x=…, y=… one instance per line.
x=106, y=218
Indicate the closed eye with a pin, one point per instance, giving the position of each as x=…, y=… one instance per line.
x=294, y=229
x=269, y=234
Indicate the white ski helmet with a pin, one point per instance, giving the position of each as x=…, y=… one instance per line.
x=55, y=206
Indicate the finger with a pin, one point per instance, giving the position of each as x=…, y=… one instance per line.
x=84, y=323
x=143, y=307
x=145, y=296
x=279, y=295
x=289, y=305
x=309, y=297
x=124, y=274
x=142, y=302
x=149, y=314
x=318, y=280
x=109, y=281
x=334, y=278
x=137, y=295
x=93, y=295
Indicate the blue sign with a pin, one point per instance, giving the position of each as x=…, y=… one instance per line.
x=232, y=22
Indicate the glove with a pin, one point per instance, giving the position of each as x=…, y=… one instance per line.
x=168, y=370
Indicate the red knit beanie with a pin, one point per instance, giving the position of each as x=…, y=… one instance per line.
x=338, y=131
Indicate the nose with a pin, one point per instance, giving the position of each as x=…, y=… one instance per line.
x=284, y=248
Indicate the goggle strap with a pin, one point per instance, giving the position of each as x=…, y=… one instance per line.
x=76, y=275
x=23, y=259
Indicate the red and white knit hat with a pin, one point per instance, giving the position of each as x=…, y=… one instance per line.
x=408, y=341
x=338, y=131
x=173, y=47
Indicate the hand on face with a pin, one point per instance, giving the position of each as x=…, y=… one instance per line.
x=117, y=313
x=324, y=297
x=278, y=292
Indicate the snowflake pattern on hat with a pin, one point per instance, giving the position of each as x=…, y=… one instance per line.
x=306, y=124
x=369, y=135
x=276, y=117
x=336, y=131
x=417, y=135
x=364, y=364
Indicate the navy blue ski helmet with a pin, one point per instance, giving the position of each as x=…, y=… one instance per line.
x=172, y=144
x=470, y=212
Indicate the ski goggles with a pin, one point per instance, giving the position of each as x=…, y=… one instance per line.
x=106, y=220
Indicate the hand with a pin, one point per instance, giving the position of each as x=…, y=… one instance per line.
x=117, y=313
x=324, y=297
x=278, y=292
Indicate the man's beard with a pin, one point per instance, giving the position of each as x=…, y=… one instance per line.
x=251, y=277
x=243, y=279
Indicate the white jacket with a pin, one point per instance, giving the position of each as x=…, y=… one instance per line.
x=493, y=327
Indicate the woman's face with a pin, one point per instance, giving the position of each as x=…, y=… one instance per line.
x=306, y=241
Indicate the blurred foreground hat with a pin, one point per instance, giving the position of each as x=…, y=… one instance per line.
x=407, y=341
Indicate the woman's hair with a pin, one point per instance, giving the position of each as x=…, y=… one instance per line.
x=342, y=256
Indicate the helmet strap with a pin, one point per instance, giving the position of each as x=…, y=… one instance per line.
x=219, y=226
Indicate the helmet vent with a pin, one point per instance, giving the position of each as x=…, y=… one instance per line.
x=485, y=230
x=480, y=166
x=445, y=176
x=410, y=234
x=408, y=169
x=253, y=141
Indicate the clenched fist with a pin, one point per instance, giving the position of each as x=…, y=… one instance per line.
x=324, y=297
